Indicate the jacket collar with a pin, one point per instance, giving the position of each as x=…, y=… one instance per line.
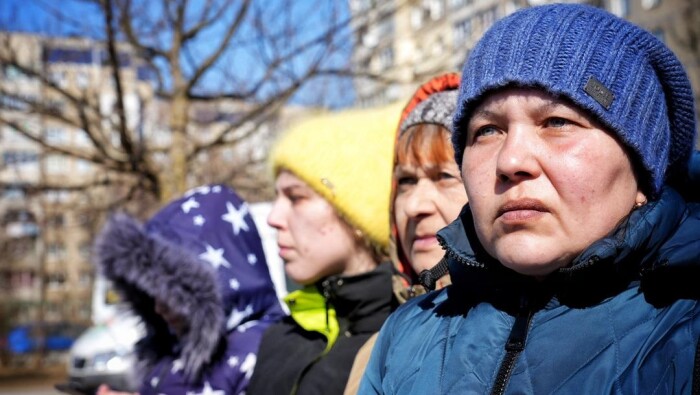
x=604, y=269
x=363, y=301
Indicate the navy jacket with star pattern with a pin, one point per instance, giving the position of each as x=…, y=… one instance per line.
x=202, y=256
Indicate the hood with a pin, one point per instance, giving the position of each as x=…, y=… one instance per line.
x=441, y=83
x=201, y=255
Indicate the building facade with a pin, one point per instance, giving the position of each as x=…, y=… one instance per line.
x=402, y=43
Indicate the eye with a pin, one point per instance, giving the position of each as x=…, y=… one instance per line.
x=483, y=131
x=444, y=175
x=556, y=122
x=406, y=180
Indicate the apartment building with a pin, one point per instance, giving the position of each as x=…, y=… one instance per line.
x=408, y=41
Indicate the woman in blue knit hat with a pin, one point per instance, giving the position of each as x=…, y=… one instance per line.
x=196, y=276
x=575, y=265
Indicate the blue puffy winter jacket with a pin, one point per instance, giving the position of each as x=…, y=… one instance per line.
x=624, y=318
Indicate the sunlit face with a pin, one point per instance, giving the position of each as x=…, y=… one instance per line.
x=544, y=181
x=313, y=241
x=427, y=199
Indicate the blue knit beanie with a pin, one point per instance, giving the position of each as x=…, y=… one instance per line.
x=618, y=72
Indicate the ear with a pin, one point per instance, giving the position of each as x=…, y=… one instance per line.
x=640, y=199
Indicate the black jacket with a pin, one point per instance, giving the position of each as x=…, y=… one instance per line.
x=292, y=359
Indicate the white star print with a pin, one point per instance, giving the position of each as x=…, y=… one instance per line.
x=244, y=326
x=233, y=361
x=207, y=390
x=248, y=365
x=189, y=205
x=252, y=259
x=236, y=217
x=237, y=317
x=216, y=188
x=215, y=256
x=199, y=220
x=234, y=284
x=203, y=190
x=154, y=382
x=178, y=365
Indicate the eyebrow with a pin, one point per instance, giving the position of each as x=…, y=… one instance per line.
x=293, y=188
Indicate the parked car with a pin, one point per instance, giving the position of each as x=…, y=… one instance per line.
x=104, y=355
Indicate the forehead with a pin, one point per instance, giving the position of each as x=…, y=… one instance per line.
x=527, y=95
x=286, y=179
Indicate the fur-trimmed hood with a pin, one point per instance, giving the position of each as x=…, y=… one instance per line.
x=201, y=255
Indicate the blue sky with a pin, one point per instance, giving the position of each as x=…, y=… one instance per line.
x=241, y=65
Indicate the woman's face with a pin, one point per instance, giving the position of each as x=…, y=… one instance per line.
x=427, y=199
x=544, y=181
x=313, y=241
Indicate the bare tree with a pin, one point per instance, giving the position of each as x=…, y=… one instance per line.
x=241, y=59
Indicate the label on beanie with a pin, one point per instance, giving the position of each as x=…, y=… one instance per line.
x=599, y=92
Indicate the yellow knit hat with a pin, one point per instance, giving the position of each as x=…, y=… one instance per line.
x=346, y=157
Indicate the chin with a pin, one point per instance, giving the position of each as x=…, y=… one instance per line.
x=525, y=264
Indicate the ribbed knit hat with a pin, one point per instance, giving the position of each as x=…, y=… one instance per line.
x=347, y=158
x=618, y=72
x=434, y=102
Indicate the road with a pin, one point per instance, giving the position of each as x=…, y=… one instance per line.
x=37, y=384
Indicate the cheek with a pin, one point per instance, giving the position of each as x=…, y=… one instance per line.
x=400, y=217
x=451, y=202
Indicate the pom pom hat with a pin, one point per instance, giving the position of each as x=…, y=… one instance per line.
x=616, y=71
x=347, y=158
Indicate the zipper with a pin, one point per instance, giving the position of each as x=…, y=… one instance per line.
x=326, y=292
x=449, y=252
x=514, y=346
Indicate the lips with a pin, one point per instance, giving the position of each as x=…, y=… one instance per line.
x=424, y=242
x=521, y=210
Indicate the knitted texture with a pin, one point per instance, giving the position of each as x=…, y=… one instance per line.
x=347, y=158
x=616, y=71
x=438, y=109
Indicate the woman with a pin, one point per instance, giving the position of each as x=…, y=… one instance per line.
x=196, y=275
x=333, y=176
x=575, y=264
x=428, y=192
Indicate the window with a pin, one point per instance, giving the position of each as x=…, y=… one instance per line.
x=18, y=157
x=57, y=164
x=417, y=17
x=55, y=280
x=455, y=4
x=619, y=7
x=83, y=166
x=55, y=221
x=82, y=79
x=58, y=77
x=386, y=58
x=56, y=251
x=85, y=250
x=462, y=31
x=56, y=136
x=437, y=10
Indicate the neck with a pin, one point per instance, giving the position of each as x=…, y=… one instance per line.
x=360, y=262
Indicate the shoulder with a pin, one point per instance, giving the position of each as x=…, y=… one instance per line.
x=674, y=272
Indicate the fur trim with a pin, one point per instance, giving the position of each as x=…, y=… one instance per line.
x=145, y=267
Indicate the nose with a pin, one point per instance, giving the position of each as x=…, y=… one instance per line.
x=276, y=218
x=517, y=157
x=421, y=199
